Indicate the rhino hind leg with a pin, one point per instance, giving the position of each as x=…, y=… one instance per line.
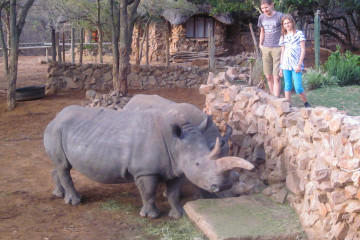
x=147, y=188
x=59, y=191
x=64, y=184
x=173, y=194
x=71, y=196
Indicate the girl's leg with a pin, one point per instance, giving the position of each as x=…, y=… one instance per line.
x=298, y=86
x=288, y=84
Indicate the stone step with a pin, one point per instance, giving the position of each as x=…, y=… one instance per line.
x=245, y=218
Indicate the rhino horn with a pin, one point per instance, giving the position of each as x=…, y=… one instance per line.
x=214, y=154
x=227, y=163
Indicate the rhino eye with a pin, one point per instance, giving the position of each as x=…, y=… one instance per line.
x=197, y=164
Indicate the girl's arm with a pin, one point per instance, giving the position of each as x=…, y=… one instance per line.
x=302, y=56
x=281, y=58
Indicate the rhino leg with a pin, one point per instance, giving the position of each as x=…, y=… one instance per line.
x=59, y=190
x=147, y=187
x=173, y=194
x=62, y=177
x=71, y=196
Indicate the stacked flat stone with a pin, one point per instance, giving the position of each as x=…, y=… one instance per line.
x=311, y=155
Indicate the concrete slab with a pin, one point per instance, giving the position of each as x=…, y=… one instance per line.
x=245, y=218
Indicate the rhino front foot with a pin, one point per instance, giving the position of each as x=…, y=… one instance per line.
x=72, y=199
x=176, y=212
x=151, y=213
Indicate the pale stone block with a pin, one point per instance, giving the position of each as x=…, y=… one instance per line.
x=335, y=124
x=350, y=164
x=338, y=196
x=353, y=207
x=206, y=89
x=292, y=183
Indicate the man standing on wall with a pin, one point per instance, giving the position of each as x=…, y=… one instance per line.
x=270, y=32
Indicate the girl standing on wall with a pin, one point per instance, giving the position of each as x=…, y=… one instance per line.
x=292, y=44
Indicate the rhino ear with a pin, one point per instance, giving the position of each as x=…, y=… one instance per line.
x=206, y=123
x=227, y=133
x=177, y=131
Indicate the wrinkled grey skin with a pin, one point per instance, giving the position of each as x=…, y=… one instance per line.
x=147, y=146
x=191, y=113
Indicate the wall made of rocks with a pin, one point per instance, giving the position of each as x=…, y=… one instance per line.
x=178, y=40
x=312, y=154
x=99, y=76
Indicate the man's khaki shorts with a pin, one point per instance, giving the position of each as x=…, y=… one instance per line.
x=271, y=60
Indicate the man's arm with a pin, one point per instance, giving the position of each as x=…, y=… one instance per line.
x=262, y=36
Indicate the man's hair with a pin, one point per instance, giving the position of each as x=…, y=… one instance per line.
x=266, y=1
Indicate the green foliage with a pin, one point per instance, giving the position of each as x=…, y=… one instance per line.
x=317, y=78
x=113, y=205
x=344, y=66
x=181, y=229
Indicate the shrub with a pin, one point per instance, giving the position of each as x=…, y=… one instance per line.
x=317, y=78
x=345, y=66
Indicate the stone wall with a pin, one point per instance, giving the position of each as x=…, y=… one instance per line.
x=178, y=41
x=311, y=153
x=99, y=76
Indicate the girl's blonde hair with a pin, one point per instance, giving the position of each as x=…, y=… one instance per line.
x=291, y=19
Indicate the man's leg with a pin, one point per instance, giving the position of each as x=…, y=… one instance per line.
x=270, y=81
x=277, y=86
x=276, y=55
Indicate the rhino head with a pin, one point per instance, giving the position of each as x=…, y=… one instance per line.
x=202, y=166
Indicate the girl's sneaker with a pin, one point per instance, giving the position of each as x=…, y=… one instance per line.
x=307, y=105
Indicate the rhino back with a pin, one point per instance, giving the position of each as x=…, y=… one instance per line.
x=107, y=145
x=192, y=114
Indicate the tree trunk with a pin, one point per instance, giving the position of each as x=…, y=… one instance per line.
x=72, y=45
x=4, y=46
x=137, y=57
x=115, y=21
x=81, y=53
x=124, y=55
x=58, y=46
x=15, y=32
x=167, y=40
x=147, y=43
x=53, y=44
x=63, y=46
x=11, y=76
x=99, y=28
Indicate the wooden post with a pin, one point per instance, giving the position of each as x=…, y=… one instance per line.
x=137, y=56
x=63, y=45
x=317, y=38
x=254, y=40
x=58, y=47
x=81, y=45
x=147, y=44
x=211, y=49
x=167, y=35
x=53, y=44
x=72, y=45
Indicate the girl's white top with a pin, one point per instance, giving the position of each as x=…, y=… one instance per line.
x=291, y=55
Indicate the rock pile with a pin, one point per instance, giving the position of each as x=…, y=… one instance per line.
x=114, y=100
x=309, y=157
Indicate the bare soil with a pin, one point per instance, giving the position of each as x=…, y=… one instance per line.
x=28, y=210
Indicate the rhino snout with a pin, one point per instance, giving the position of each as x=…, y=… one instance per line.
x=214, y=188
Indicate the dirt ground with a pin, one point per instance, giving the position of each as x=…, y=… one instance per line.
x=28, y=210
